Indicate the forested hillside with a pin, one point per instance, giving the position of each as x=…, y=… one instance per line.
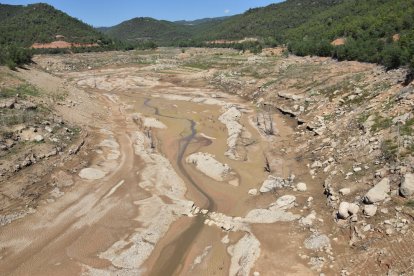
x=22, y=26
x=25, y=25
x=145, y=29
x=380, y=31
x=268, y=22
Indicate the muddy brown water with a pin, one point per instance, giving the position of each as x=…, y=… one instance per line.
x=173, y=254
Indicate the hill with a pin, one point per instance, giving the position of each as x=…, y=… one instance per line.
x=267, y=22
x=145, y=29
x=25, y=25
x=202, y=21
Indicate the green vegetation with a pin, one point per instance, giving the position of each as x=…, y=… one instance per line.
x=14, y=56
x=407, y=128
x=410, y=204
x=22, y=90
x=389, y=150
x=22, y=26
x=139, y=30
x=381, y=123
x=25, y=25
x=379, y=31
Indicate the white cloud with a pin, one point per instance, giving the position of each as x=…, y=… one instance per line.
x=226, y=11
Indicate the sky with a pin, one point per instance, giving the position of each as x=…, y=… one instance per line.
x=101, y=13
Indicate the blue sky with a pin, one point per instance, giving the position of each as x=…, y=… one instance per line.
x=111, y=12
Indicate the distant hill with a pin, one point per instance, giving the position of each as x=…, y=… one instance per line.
x=201, y=21
x=270, y=21
x=25, y=25
x=144, y=28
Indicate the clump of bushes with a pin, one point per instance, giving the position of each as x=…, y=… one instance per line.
x=14, y=56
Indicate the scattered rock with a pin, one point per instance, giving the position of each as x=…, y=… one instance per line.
x=301, y=187
x=272, y=183
x=317, y=242
x=253, y=192
x=39, y=138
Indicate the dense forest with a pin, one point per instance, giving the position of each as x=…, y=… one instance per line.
x=380, y=31
x=22, y=26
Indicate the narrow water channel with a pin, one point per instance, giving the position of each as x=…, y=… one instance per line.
x=172, y=256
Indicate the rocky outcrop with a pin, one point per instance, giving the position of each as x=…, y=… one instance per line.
x=231, y=119
x=208, y=165
x=243, y=255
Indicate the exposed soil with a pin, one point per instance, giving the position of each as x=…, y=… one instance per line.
x=128, y=201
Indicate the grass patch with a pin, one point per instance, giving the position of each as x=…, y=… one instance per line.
x=198, y=65
x=410, y=204
x=381, y=123
x=362, y=118
x=23, y=91
x=389, y=150
x=407, y=128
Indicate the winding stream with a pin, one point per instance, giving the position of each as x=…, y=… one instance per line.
x=172, y=255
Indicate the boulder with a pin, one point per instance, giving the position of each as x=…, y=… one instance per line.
x=345, y=191
x=346, y=209
x=353, y=209
x=379, y=192
x=370, y=210
x=343, y=210
x=407, y=185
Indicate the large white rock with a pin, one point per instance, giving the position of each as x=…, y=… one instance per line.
x=379, y=192
x=345, y=191
x=207, y=164
x=343, y=210
x=370, y=210
x=346, y=209
x=407, y=185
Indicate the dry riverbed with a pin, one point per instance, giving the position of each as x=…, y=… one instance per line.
x=174, y=177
